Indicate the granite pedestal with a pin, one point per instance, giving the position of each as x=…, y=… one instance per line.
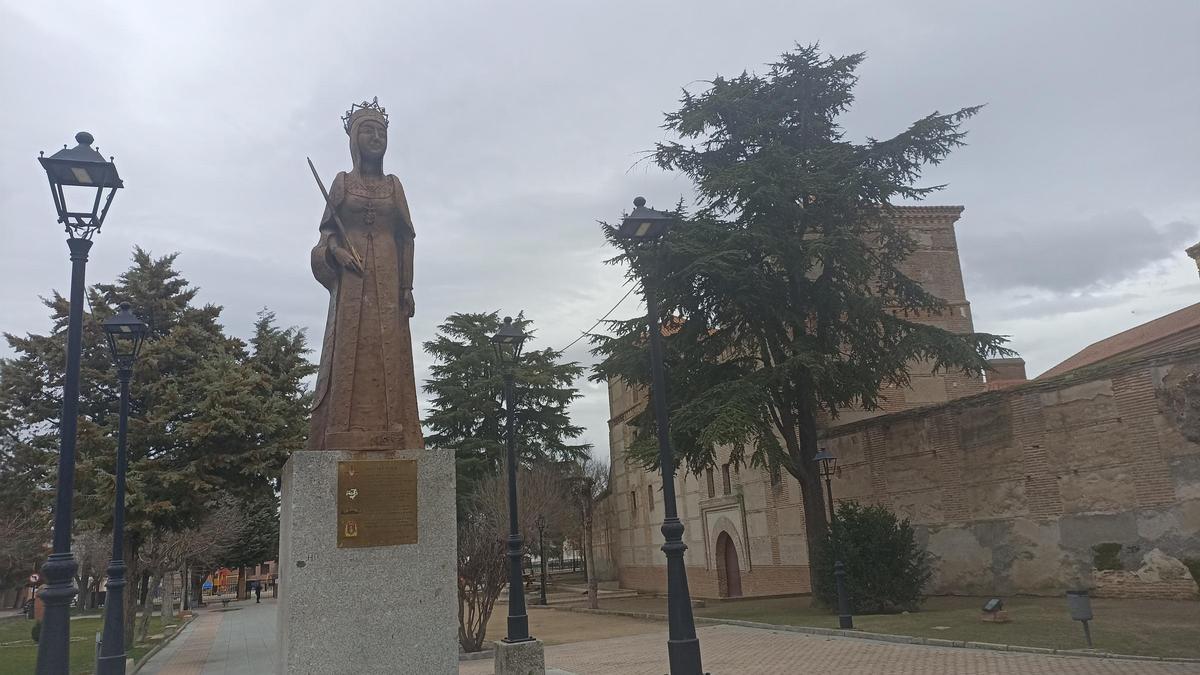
x=520, y=658
x=380, y=609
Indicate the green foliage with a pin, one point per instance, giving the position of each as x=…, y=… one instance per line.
x=467, y=407
x=1107, y=556
x=257, y=538
x=208, y=416
x=786, y=289
x=886, y=570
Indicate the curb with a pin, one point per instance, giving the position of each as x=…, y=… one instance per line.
x=895, y=639
x=140, y=663
x=477, y=656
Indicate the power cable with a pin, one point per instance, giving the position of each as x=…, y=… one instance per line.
x=599, y=321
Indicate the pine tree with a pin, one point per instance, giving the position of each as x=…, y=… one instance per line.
x=209, y=419
x=278, y=356
x=467, y=407
x=785, y=290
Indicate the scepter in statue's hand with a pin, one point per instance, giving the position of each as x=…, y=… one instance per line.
x=356, y=263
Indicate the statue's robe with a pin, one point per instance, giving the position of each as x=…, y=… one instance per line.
x=366, y=395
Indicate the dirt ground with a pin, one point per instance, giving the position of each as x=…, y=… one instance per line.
x=554, y=627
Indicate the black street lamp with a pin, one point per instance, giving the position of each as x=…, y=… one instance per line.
x=73, y=173
x=646, y=225
x=508, y=342
x=829, y=468
x=541, y=528
x=125, y=334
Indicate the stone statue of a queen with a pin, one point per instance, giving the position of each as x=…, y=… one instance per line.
x=366, y=394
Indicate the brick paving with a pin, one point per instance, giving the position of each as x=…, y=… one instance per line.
x=729, y=650
x=241, y=641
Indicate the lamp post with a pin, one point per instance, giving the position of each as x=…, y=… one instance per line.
x=541, y=528
x=646, y=226
x=829, y=468
x=73, y=174
x=125, y=334
x=507, y=343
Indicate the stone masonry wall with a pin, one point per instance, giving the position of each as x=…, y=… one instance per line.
x=1010, y=490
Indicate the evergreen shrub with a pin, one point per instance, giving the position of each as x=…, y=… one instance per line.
x=886, y=568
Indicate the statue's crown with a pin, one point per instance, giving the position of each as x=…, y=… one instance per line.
x=371, y=108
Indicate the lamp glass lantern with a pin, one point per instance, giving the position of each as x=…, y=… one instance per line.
x=508, y=342
x=644, y=223
x=827, y=463
x=125, y=333
x=79, y=177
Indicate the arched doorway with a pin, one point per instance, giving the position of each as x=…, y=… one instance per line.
x=729, y=573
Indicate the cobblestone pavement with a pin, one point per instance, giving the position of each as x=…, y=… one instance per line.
x=730, y=650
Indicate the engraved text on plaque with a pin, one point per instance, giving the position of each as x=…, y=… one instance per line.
x=377, y=503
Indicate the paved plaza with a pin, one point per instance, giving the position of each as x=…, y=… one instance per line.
x=241, y=641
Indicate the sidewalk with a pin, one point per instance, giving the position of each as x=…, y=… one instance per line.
x=239, y=640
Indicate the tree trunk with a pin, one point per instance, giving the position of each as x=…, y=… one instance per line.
x=593, y=593
x=197, y=581
x=81, y=586
x=241, y=586
x=133, y=583
x=147, y=608
x=802, y=448
x=166, y=598
x=97, y=585
x=169, y=587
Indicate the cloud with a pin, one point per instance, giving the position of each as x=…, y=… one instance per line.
x=514, y=127
x=1062, y=256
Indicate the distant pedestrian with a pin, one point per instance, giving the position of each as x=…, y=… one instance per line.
x=257, y=591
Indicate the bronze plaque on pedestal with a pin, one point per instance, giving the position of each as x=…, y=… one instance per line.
x=377, y=503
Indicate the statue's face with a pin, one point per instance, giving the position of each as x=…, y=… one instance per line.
x=372, y=139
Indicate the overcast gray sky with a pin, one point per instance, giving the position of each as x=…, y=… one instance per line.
x=514, y=127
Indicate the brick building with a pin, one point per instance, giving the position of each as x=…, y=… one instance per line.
x=1009, y=482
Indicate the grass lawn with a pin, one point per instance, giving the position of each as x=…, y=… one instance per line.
x=1143, y=627
x=18, y=652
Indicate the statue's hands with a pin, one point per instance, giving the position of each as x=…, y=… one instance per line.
x=346, y=260
x=408, y=304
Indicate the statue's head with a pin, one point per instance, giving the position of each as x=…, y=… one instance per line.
x=366, y=124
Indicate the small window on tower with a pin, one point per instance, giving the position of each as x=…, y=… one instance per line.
x=726, y=485
x=712, y=490
x=650, y=497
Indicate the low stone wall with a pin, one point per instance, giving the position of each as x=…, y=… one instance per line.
x=1011, y=490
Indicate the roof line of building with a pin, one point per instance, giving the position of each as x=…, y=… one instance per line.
x=1142, y=335
x=1077, y=376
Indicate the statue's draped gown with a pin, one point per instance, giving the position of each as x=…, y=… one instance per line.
x=366, y=389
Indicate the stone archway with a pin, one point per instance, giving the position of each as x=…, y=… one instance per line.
x=729, y=572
